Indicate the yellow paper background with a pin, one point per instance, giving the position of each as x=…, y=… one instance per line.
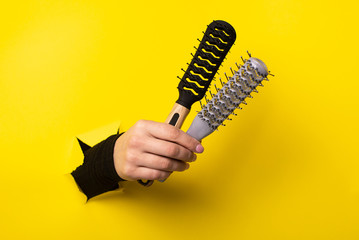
x=285, y=168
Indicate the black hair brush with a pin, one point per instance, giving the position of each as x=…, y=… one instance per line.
x=212, y=50
x=215, y=44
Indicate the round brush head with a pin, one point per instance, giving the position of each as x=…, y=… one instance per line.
x=228, y=98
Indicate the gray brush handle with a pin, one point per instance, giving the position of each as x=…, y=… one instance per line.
x=199, y=129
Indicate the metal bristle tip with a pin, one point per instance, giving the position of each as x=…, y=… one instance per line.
x=229, y=97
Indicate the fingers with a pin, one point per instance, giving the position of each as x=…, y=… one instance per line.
x=151, y=174
x=168, y=132
x=168, y=149
x=162, y=163
x=152, y=150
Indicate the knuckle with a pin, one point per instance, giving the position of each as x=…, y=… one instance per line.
x=130, y=158
x=155, y=175
x=172, y=150
x=174, y=133
x=140, y=123
x=134, y=141
x=128, y=170
x=166, y=164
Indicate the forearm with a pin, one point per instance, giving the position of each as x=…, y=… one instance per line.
x=97, y=174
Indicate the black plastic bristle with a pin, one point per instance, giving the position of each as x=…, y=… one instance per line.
x=215, y=44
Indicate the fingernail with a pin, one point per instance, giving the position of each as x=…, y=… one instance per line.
x=194, y=157
x=199, y=148
x=187, y=166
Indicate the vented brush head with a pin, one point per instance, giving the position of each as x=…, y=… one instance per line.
x=228, y=98
x=215, y=44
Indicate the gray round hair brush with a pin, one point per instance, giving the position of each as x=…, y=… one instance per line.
x=228, y=98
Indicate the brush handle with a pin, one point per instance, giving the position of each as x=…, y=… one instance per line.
x=177, y=115
x=199, y=129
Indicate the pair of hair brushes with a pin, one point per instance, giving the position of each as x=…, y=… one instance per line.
x=212, y=50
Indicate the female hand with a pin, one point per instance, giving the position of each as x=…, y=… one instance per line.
x=152, y=151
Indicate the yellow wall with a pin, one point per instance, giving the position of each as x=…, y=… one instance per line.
x=285, y=168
